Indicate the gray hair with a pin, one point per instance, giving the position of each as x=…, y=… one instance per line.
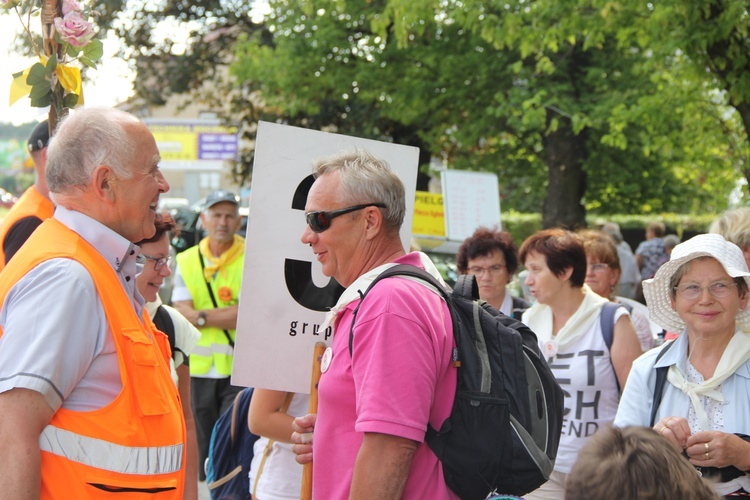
x=84, y=140
x=366, y=178
x=671, y=241
x=613, y=229
x=734, y=226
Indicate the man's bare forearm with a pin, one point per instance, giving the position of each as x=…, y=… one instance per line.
x=382, y=467
x=24, y=415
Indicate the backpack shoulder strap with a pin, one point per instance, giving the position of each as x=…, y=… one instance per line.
x=164, y=323
x=403, y=270
x=661, y=379
x=607, y=319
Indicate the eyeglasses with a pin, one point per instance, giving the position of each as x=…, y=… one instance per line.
x=493, y=270
x=718, y=289
x=320, y=221
x=599, y=266
x=159, y=262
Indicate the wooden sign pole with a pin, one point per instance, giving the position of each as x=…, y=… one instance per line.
x=320, y=347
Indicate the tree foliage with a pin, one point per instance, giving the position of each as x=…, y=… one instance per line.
x=598, y=106
x=555, y=97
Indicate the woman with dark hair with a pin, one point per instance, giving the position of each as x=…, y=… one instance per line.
x=153, y=260
x=492, y=257
x=694, y=390
x=567, y=321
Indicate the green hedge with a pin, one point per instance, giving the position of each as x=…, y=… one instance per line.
x=523, y=225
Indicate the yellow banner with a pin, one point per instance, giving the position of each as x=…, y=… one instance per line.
x=429, y=215
x=185, y=141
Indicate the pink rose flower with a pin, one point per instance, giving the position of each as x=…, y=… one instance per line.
x=70, y=6
x=74, y=29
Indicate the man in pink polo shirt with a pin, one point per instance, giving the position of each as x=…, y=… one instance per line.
x=375, y=404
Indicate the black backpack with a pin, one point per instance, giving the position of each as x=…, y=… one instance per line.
x=504, y=428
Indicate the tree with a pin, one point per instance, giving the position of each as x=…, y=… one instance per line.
x=542, y=93
x=711, y=37
x=570, y=105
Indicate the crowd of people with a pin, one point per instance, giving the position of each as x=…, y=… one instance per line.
x=95, y=399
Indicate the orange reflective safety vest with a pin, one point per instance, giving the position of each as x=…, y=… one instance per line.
x=136, y=444
x=31, y=203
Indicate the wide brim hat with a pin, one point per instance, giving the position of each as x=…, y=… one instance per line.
x=657, y=292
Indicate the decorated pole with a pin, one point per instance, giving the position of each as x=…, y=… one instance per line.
x=50, y=10
x=68, y=44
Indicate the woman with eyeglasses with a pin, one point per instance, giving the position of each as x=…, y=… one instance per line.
x=694, y=390
x=154, y=259
x=566, y=318
x=492, y=257
x=602, y=275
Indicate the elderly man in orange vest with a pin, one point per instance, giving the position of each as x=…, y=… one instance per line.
x=87, y=401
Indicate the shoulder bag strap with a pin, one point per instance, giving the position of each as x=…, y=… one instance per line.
x=269, y=445
x=607, y=321
x=661, y=378
x=213, y=299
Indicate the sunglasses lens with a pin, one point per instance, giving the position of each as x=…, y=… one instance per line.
x=318, y=221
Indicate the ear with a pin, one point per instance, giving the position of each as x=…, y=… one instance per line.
x=567, y=273
x=373, y=221
x=103, y=180
x=743, y=300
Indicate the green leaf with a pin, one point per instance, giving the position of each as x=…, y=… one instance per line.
x=37, y=74
x=71, y=50
x=40, y=89
x=70, y=100
x=43, y=101
x=51, y=65
x=16, y=75
x=88, y=62
x=94, y=50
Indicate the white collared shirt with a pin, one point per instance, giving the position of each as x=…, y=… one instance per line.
x=56, y=338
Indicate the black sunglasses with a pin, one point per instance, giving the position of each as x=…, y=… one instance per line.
x=320, y=221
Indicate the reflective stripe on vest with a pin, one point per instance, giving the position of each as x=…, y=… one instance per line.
x=209, y=351
x=111, y=456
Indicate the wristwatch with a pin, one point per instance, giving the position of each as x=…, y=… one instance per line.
x=201, y=321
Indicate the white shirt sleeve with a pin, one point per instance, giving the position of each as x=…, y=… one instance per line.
x=180, y=290
x=186, y=336
x=56, y=339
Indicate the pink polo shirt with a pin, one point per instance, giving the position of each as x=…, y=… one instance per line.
x=400, y=378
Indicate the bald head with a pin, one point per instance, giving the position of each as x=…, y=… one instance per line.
x=86, y=139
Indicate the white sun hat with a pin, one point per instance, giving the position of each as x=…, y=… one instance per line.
x=657, y=292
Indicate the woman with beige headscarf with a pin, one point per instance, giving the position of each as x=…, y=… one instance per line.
x=694, y=391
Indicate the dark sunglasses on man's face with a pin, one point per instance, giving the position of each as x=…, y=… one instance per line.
x=320, y=221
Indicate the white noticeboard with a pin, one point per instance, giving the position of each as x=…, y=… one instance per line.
x=284, y=293
x=470, y=200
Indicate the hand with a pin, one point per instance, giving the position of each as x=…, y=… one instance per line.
x=302, y=437
x=675, y=429
x=717, y=449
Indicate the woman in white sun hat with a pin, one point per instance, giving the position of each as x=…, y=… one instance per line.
x=695, y=391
